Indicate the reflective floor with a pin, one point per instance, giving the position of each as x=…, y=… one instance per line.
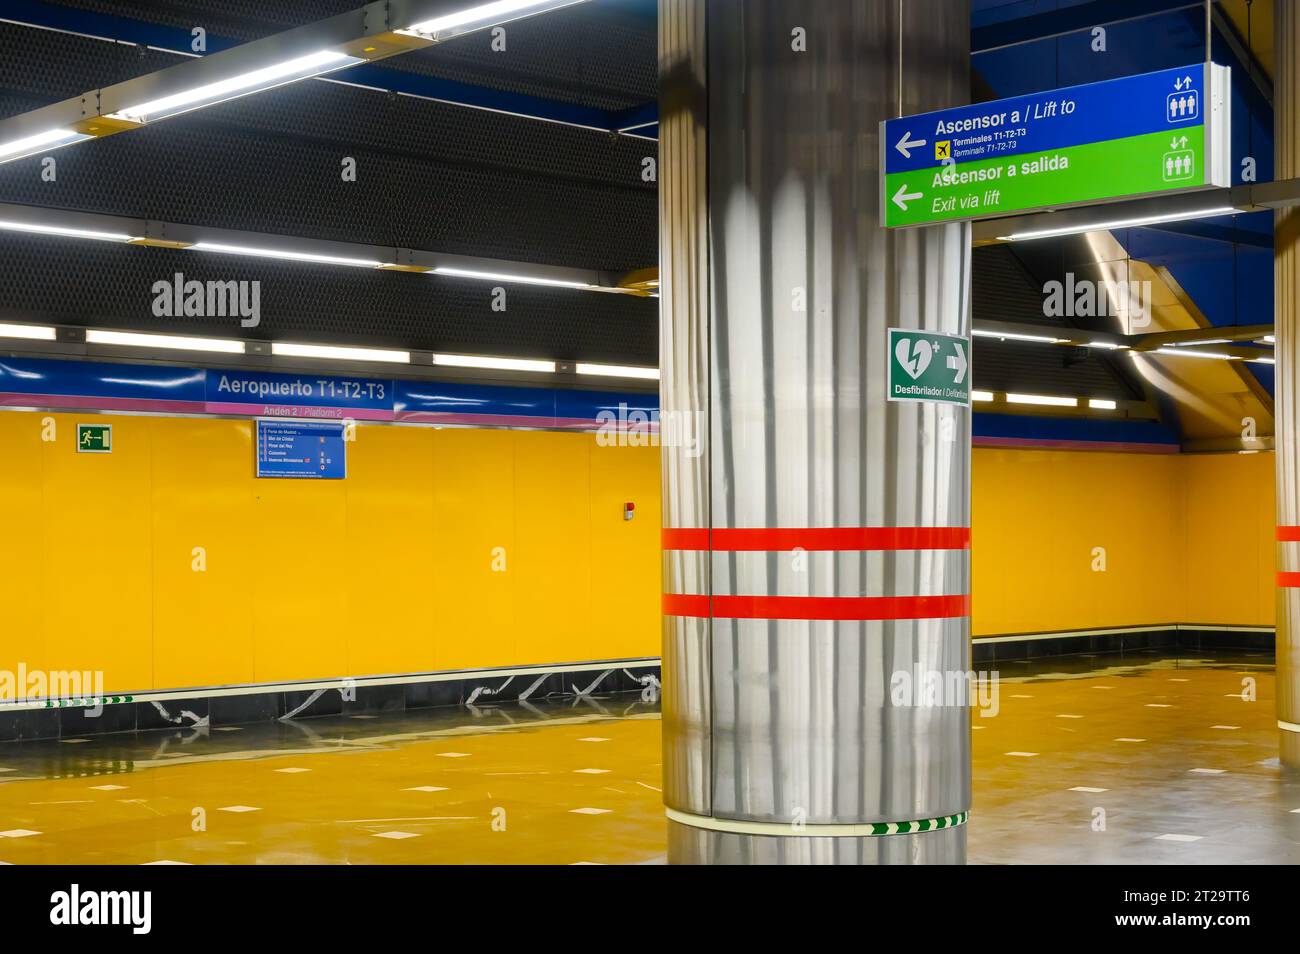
x=1087, y=760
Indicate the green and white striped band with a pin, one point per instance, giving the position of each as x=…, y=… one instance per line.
x=789, y=830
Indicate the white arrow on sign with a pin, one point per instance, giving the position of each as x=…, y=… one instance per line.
x=957, y=362
x=902, y=197
x=907, y=144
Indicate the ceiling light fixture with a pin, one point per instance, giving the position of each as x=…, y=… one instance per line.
x=1102, y=404
x=1043, y=399
x=255, y=81
x=1117, y=224
x=32, y=332
x=1015, y=336
x=504, y=277
x=284, y=254
x=494, y=364
x=287, y=349
x=132, y=339
x=618, y=371
x=41, y=142
x=1188, y=353
x=981, y=395
x=10, y=226
x=483, y=15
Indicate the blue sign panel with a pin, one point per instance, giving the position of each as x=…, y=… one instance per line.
x=302, y=449
x=1111, y=109
x=125, y=387
x=299, y=395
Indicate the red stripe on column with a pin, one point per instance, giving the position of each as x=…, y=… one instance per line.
x=817, y=607
x=1288, y=534
x=817, y=538
x=1288, y=579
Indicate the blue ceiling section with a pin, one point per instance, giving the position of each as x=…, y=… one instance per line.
x=1224, y=264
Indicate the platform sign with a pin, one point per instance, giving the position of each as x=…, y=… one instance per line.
x=94, y=438
x=1119, y=139
x=301, y=449
x=928, y=366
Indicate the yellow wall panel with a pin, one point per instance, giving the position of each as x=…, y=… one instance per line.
x=472, y=604
x=388, y=560
x=551, y=568
x=625, y=554
x=97, y=551
x=202, y=480
x=300, y=539
x=22, y=517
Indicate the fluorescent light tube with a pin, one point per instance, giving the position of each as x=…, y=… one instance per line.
x=502, y=277
x=268, y=77
x=334, y=352
x=1101, y=404
x=618, y=371
x=1188, y=353
x=62, y=230
x=1262, y=360
x=485, y=14
x=496, y=364
x=1015, y=336
x=132, y=339
x=284, y=254
x=1117, y=224
x=41, y=142
x=981, y=395
x=1268, y=339
x=1193, y=344
x=1107, y=345
x=34, y=332
x=1043, y=399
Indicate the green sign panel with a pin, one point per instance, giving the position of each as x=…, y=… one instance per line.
x=94, y=438
x=926, y=366
x=1118, y=139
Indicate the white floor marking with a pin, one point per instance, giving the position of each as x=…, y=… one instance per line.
x=1295, y=811
x=73, y=741
x=1207, y=771
x=165, y=861
x=1020, y=695
x=1101, y=687
x=1023, y=755
x=591, y=771
x=425, y=788
x=239, y=808
x=978, y=727
x=108, y=788
x=1235, y=695
x=18, y=833
x=292, y=770
x=1179, y=680
x=589, y=811
x=1090, y=789
x=1170, y=836
x=593, y=738
x=1225, y=727
x=572, y=863
x=396, y=835
x=1158, y=705
x=1066, y=715
x=653, y=789
x=1130, y=740
x=453, y=755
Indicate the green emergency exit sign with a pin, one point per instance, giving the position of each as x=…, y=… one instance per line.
x=928, y=366
x=94, y=438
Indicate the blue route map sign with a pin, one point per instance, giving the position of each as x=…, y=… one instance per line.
x=301, y=449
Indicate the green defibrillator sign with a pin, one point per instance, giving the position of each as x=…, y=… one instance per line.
x=928, y=366
x=94, y=438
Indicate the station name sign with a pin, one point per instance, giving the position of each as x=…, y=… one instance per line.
x=1141, y=135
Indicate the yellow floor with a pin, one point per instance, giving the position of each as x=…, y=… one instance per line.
x=1172, y=758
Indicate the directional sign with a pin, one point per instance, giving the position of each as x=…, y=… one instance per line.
x=94, y=438
x=928, y=366
x=1119, y=139
x=314, y=451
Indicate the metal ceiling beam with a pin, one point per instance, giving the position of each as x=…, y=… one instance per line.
x=376, y=31
x=1147, y=212
x=147, y=232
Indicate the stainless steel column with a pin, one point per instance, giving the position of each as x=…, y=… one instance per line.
x=1286, y=273
x=781, y=741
